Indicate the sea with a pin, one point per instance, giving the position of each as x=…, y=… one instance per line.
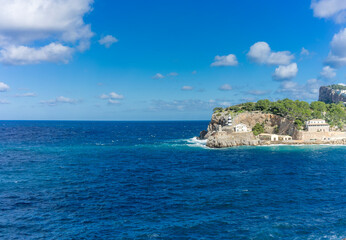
x=155, y=180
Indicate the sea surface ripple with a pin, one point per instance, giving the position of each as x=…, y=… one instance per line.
x=153, y=180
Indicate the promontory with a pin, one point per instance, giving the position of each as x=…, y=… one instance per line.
x=281, y=122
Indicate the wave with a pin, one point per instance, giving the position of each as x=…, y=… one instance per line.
x=194, y=142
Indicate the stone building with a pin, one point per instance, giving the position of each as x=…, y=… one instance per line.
x=274, y=137
x=317, y=125
x=240, y=128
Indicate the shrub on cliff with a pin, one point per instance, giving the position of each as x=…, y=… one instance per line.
x=217, y=109
x=258, y=129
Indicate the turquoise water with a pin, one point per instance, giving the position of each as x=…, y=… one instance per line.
x=153, y=180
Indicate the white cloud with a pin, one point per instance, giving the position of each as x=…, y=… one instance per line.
x=25, y=24
x=228, y=60
x=29, y=94
x=225, y=104
x=337, y=55
x=225, y=87
x=112, y=95
x=4, y=101
x=22, y=55
x=58, y=100
x=108, y=40
x=328, y=72
x=258, y=92
x=4, y=87
x=158, y=76
x=172, y=74
x=334, y=9
x=308, y=91
x=261, y=53
x=189, y=105
x=112, y=101
x=285, y=72
x=187, y=88
x=304, y=52
x=112, y=98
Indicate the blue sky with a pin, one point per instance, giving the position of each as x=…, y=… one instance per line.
x=163, y=60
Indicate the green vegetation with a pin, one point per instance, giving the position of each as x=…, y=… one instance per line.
x=298, y=111
x=217, y=109
x=337, y=87
x=258, y=129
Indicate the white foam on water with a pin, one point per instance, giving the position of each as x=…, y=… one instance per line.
x=194, y=142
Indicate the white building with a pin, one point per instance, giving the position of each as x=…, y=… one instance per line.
x=240, y=128
x=274, y=137
x=317, y=125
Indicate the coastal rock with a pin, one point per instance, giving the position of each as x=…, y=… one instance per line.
x=228, y=139
x=202, y=134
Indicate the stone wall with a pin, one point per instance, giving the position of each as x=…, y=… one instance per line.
x=320, y=136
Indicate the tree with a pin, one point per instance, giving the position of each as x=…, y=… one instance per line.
x=262, y=105
x=249, y=106
x=218, y=109
x=258, y=129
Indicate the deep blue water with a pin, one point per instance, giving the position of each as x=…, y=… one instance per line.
x=151, y=180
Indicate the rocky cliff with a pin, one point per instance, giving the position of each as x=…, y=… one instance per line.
x=272, y=123
x=329, y=95
x=228, y=138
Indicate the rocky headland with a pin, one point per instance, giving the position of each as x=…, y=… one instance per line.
x=236, y=126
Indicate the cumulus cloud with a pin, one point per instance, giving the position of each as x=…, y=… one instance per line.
x=285, y=72
x=228, y=60
x=172, y=74
x=225, y=87
x=337, y=55
x=328, y=72
x=308, y=91
x=330, y=9
x=59, y=100
x=304, y=52
x=112, y=101
x=26, y=24
x=112, y=98
x=261, y=53
x=186, y=88
x=4, y=101
x=112, y=95
x=4, y=87
x=158, y=76
x=258, y=92
x=189, y=105
x=28, y=94
x=22, y=55
x=108, y=40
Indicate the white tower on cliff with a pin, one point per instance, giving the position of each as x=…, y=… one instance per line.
x=230, y=122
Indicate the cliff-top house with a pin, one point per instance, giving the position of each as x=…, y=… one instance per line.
x=317, y=125
x=240, y=128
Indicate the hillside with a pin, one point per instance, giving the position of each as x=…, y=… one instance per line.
x=296, y=111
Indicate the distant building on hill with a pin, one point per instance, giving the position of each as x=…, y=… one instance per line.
x=317, y=125
x=240, y=128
